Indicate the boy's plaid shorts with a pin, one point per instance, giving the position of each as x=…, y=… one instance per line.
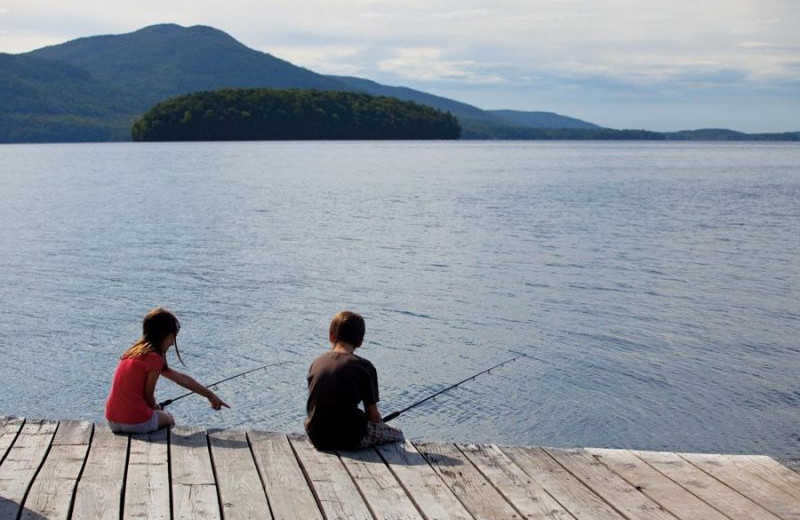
x=380, y=433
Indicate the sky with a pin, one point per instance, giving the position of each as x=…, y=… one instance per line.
x=653, y=64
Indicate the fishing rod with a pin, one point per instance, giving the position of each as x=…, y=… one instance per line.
x=187, y=394
x=440, y=392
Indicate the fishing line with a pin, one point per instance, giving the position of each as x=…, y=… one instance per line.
x=440, y=392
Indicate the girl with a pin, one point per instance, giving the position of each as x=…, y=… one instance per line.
x=131, y=405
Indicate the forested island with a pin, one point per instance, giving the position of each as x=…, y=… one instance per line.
x=294, y=114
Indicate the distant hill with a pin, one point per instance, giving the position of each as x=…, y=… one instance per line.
x=44, y=100
x=267, y=114
x=162, y=61
x=723, y=134
x=476, y=123
x=541, y=119
x=124, y=75
x=407, y=94
x=92, y=89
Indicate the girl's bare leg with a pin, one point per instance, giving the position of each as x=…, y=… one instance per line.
x=164, y=418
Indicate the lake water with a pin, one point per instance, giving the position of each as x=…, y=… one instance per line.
x=654, y=285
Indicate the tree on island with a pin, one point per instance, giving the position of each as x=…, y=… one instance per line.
x=262, y=114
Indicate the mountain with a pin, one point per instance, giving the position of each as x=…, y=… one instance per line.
x=111, y=80
x=94, y=88
x=45, y=100
x=163, y=61
x=457, y=108
x=723, y=134
x=541, y=119
x=475, y=122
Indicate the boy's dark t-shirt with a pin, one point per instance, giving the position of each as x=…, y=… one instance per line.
x=337, y=383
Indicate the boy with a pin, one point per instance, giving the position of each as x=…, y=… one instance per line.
x=337, y=382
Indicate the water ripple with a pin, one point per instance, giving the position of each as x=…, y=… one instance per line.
x=652, y=285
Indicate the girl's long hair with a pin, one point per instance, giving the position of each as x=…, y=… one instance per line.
x=158, y=324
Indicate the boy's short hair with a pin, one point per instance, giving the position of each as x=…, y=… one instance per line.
x=347, y=327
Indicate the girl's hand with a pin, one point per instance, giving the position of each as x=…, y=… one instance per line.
x=216, y=402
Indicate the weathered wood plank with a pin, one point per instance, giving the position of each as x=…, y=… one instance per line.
x=241, y=493
x=51, y=493
x=336, y=493
x=427, y=489
x=22, y=462
x=772, y=471
x=9, y=429
x=769, y=496
x=570, y=492
x=386, y=497
x=475, y=492
x=147, y=481
x=194, y=489
x=657, y=486
x=99, y=491
x=518, y=487
x=73, y=433
x=709, y=489
x=289, y=494
x=611, y=487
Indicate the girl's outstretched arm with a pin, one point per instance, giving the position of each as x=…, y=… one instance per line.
x=189, y=383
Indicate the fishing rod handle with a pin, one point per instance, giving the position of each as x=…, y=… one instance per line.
x=390, y=416
x=162, y=404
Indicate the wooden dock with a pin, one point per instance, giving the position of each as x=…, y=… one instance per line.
x=74, y=469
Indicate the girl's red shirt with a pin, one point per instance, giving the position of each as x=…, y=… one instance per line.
x=126, y=403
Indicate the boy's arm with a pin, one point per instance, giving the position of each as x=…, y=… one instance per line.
x=371, y=395
x=189, y=383
x=373, y=415
x=150, y=389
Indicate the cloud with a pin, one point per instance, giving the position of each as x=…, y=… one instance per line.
x=324, y=59
x=375, y=16
x=427, y=64
x=754, y=45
